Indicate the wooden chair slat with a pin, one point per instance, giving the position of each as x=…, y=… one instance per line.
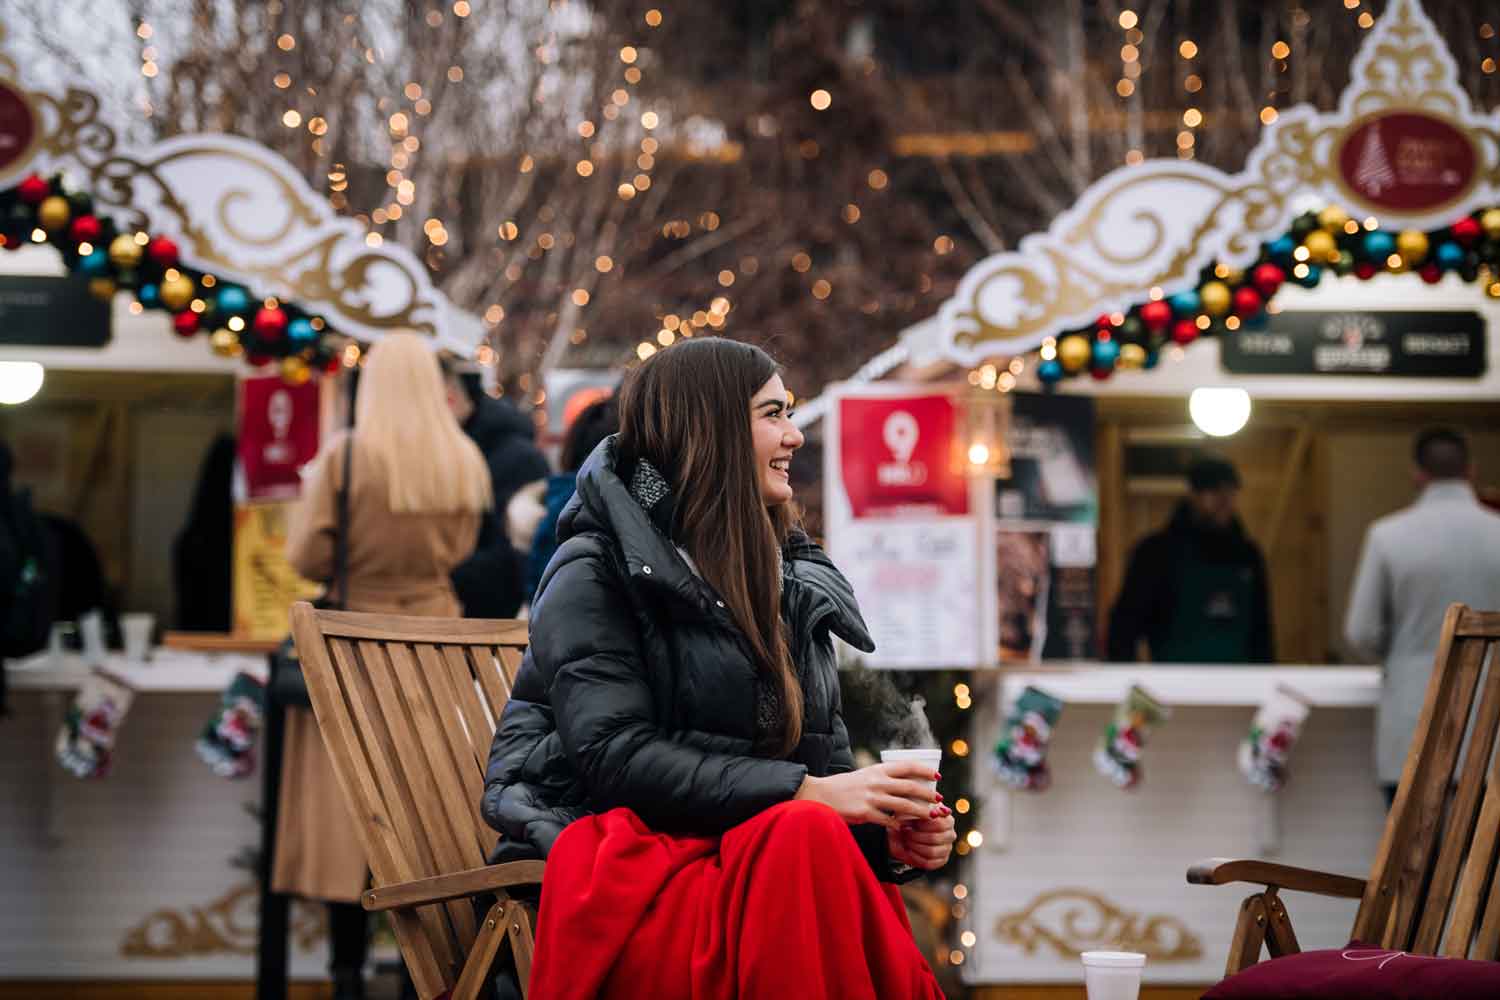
x=1475, y=880
x=470, y=704
x=1401, y=862
x=427, y=943
x=460, y=739
x=401, y=629
x=416, y=861
x=1478, y=624
x=1487, y=942
x=1459, y=828
x=397, y=701
x=510, y=659
x=487, y=667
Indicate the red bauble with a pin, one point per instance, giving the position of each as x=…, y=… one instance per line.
x=33, y=190
x=1267, y=279
x=332, y=365
x=162, y=252
x=1184, y=331
x=185, y=323
x=258, y=360
x=1467, y=230
x=1431, y=273
x=1364, y=270
x=1100, y=374
x=269, y=324
x=85, y=229
x=1247, y=302
x=1156, y=315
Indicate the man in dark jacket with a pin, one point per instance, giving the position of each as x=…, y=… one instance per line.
x=1197, y=591
x=489, y=582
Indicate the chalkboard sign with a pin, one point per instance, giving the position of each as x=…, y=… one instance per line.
x=51, y=312
x=1351, y=342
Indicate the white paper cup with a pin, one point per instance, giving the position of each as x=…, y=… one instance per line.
x=91, y=628
x=930, y=756
x=137, y=628
x=1113, y=975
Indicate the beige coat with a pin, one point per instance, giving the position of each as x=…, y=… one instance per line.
x=398, y=564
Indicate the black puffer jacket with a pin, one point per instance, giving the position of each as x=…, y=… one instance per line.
x=638, y=688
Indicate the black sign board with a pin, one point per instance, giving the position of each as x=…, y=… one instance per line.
x=51, y=312
x=1351, y=342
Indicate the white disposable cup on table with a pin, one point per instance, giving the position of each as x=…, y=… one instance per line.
x=931, y=756
x=1113, y=975
x=91, y=628
x=137, y=628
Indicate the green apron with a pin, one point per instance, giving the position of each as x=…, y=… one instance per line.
x=1212, y=619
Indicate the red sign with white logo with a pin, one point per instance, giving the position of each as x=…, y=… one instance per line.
x=278, y=435
x=898, y=456
x=1407, y=161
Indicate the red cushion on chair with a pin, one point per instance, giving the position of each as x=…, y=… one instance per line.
x=1362, y=972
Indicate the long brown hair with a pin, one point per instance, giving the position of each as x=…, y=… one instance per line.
x=686, y=410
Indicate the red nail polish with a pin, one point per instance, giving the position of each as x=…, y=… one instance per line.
x=935, y=813
x=947, y=811
x=937, y=777
x=940, y=796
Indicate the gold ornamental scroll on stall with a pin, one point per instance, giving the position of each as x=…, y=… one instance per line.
x=233, y=207
x=1405, y=146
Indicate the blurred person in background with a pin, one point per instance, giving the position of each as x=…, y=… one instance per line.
x=1197, y=590
x=531, y=517
x=1443, y=549
x=419, y=492
x=489, y=582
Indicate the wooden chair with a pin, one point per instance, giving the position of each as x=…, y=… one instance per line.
x=407, y=708
x=1428, y=891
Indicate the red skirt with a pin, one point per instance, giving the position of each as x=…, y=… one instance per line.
x=783, y=905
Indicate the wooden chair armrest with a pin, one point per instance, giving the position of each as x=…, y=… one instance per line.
x=441, y=888
x=1221, y=871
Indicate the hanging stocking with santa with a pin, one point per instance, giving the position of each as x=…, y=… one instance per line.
x=1118, y=755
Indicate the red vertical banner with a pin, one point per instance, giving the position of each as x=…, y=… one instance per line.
x=278, y=434
x=901, y=455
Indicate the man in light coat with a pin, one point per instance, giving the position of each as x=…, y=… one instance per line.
x=1444, y=548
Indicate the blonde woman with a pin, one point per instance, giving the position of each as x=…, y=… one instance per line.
x=419, y=495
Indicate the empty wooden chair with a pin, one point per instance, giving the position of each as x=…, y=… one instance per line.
x=408, y=708
x=1429, y=890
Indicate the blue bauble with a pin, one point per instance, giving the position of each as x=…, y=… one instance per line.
x=1379, y=245
x=1186, y=303
x=1449, y=256
x=1282, y=247
x=1314, y=275
x=1153, y=358
x=149, y=296
x=300, y=331
x=95, y=264
x=1106, y=353
x=1050, y=371
x=232, y=300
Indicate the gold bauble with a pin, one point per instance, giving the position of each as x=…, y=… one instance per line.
x=124, y=251
x=1216, y=298
x=1322, y=246
x=226, y=343
x=102, y=289
x=1074, y=353
x=177, y=292
x=1411, y=244
x=1333, y=218
x=54, y=213
x=295, y=371
x=1490, y=220
x=1234, y=276
x=1131, y=356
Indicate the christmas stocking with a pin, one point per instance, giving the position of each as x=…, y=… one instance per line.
x=1118, y=755
x=1021, y=754
x=1264, y=751
x=86, y=741
x=227, y=743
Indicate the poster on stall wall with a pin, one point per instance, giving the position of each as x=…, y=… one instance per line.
x=903, y=523
x=278, y=434
x=265, y=584
x=1045, y=535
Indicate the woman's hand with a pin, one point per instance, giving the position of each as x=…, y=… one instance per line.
x=925, y=844
x=888, y=794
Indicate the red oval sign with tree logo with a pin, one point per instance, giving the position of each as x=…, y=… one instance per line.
x=17, y=126
x=1406, y=161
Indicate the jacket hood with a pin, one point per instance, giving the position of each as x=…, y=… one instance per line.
x=494, y=420
x=813, y=587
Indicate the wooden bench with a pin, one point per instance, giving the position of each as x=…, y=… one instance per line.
x=408, y=709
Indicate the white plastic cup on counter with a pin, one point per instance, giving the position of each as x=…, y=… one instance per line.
x=931, y=756
x=1113, y=975
x=138, y=628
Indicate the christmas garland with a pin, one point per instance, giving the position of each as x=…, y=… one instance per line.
x=263, y=330
x=1225, y=300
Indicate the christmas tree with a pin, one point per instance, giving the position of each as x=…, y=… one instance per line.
x=1374, y=174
